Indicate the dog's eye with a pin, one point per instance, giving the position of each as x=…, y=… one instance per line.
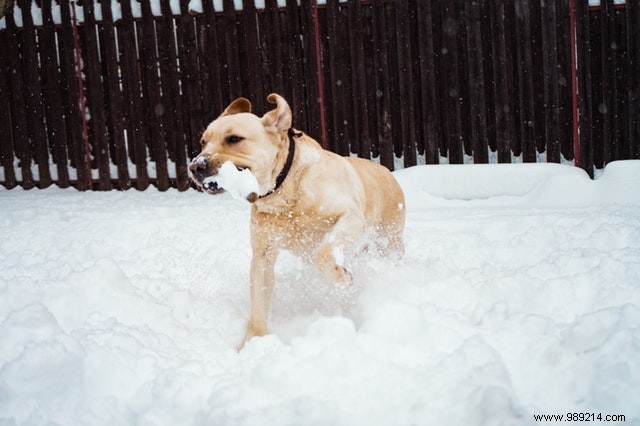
x=234, y=139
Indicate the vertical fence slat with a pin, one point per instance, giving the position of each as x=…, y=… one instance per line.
x=18, y=104
x=191, y=100
x=136, y=134
x=382, y=84
x=478, y=119
x=525, y=81
x=293, y=66
x=463, y=80
x=585, y=95
x=251, y=41
x=70, y=99
x=95, y=98
x=537, y=56
x=346, y=88
x=312, y=78
x=57, y=135
x=605, y=107
x=358, y=78
x=595, y=71
x=166, y=33
x=332, y=83
x=487, y=36
x=114, y=104
x=154, y=104
x=633, y=73
x=209, y=52
x=35, y=108
x=503, y=105
x=231, y=50
x=309, y=72
x=565, y=88
x=430, y=119
x=270, y=36
x=452, y=95
x=550, y=73
x=6, y=130
x=618, y=86
x=173, y=114
x=405, y=80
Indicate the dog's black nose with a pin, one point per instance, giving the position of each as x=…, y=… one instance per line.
x=198, y=166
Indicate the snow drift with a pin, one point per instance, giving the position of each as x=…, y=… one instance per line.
x=519, y=295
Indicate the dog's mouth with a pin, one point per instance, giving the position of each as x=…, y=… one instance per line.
x=211, y=185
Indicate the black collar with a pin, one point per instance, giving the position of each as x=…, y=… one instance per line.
x=287, y=165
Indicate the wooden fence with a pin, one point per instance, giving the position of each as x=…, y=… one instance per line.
x=115, y=94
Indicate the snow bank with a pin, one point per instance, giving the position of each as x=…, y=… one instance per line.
x=125, y=308
x=527, y=185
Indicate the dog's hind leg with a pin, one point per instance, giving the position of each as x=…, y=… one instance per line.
x=329, y=260
x=340, y=241
x=394, y=243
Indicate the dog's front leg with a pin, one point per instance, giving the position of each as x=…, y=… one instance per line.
x=262, y=281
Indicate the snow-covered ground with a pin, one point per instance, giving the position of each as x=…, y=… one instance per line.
x=519, y=295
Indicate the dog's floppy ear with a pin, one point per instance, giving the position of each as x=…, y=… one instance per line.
x=278, y=119
x=237, y=106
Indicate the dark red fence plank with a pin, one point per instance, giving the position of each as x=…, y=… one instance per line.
x=453, y=126
x=192, y=91
x=52, y=98
x=382, y=86
x=585, y=87
x=114, y=103
x=502, y=81
x=478, y=113
x=550, y=75
x=35, y=109
x=152, y=91
x=633, y=74
x=136, y=126
x=71, y=104
x=18, y=104
x=430, y=117
x=524, y=66
x=7, y=151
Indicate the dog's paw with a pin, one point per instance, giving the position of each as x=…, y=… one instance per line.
x=342, y=276
x=253, y=330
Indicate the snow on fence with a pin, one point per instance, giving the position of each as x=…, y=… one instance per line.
x=115, y=94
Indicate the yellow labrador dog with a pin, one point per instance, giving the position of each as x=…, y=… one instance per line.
x=309, y=201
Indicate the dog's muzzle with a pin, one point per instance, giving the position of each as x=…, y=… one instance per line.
x=198, y=168
x=199, y=171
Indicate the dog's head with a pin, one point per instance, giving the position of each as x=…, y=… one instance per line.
x=245, y=143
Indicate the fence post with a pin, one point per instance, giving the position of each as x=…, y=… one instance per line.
x=574, y=83
x=5, y=115
x=319, y=66
x=633, y=73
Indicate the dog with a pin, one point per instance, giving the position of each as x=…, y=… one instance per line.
x=307, y=200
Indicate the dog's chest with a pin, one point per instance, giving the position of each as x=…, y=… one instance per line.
x=295, y=231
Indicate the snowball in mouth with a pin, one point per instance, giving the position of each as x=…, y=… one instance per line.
x=240, y=183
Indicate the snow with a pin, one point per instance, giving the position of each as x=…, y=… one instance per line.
x=598, y=2
x=519, y=294
x=194, y=6
x=241, y=184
